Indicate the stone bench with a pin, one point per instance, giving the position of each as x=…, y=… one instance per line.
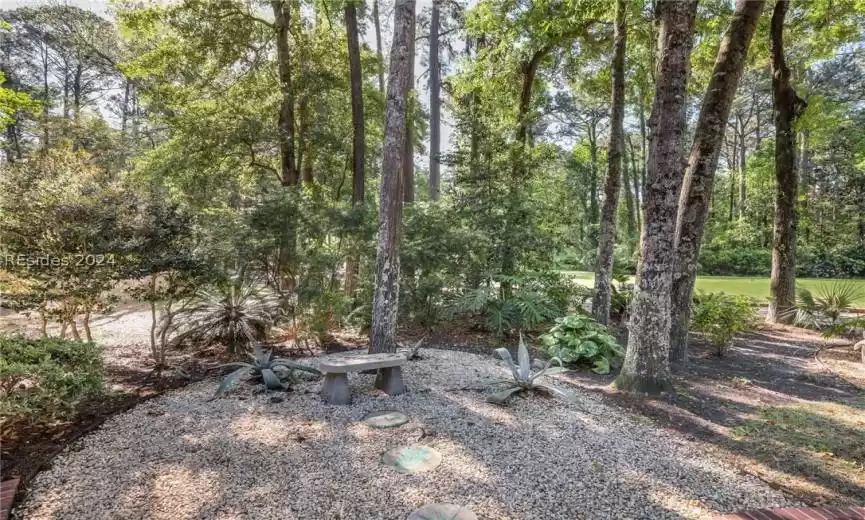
x=389, y=378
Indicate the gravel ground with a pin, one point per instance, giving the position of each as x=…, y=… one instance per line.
x=186, y=456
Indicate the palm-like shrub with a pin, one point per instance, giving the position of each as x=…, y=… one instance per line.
x=524, y=377
x=825, y=311
x=234, y=315
x=274, y=373
x=579, y=339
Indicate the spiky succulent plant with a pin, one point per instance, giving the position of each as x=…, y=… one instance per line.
x=270, y=370
x=525, y=378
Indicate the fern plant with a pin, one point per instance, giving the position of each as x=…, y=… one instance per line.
x=524, y=378
x=526, y=307
x=270, y=371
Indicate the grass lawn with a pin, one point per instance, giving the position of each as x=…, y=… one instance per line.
x=754, y=287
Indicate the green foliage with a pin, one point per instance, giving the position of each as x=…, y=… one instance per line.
x=827, y=311
x=272, y=372
x=235, y=315
x=719, y=317
x=45, y=379
x=535, y=299
x=12, y=102
x=579, y=339
x=730, y=262
x=524, y=377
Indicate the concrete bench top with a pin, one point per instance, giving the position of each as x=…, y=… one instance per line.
x=341, y=364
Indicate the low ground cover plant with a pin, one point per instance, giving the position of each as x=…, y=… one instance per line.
x=44, y=379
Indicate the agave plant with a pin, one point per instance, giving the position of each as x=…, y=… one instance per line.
x=525, y=378
x=235, y=316
x=271, y=371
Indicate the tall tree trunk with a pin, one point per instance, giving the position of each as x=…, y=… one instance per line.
x=636, y=180
x=593, y=182
x=378, y=48
x=408, y=153
x=733, y=170
x=805, y=176
x=743, y=168
x=282, y=21
x=700, y=175
x=646, y=366
x=788, y=106
x=359, y=139
x=356, y=83
x=629, y=195
x=386, y=292
x=607, y=234
x=76, y=105
x=434, y=105
x=644, y=143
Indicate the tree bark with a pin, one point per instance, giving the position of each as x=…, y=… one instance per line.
x=638, y=208
x=646, y=366
x=386, y=291
x=607, y=234
x=408, y=153
x=435, y=105
x=788, y=106
x=378, y=51
x=697, y=186
x=356, y=83
x=593, y=182
x=629, y=196
x=743, y=179
x=282, y=20
x=352, y=265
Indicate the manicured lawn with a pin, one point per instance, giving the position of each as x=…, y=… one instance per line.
x=754, y=287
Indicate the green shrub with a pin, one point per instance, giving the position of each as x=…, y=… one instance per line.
x=43, y=379
x=828, y=310
x=719, y=317
x=535, y=299
x=741, y=261
x=579, y=339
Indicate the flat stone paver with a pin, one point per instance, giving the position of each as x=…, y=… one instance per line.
x=412, y=459
x=442, y=512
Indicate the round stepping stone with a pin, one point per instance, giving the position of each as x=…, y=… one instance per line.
x=442, y=512
x=385, y=419
x=412, y=459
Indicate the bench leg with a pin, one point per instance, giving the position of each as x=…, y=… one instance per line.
x=335, y=389
x=389, y=380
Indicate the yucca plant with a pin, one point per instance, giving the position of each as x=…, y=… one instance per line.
x=235, y=316
x=525, y=378
x=270, y=371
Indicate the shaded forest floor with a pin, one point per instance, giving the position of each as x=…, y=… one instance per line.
x=783, y=404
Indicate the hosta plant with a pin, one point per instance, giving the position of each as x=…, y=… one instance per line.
x=273, y=373
x=525, y=378
x=579, y=339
